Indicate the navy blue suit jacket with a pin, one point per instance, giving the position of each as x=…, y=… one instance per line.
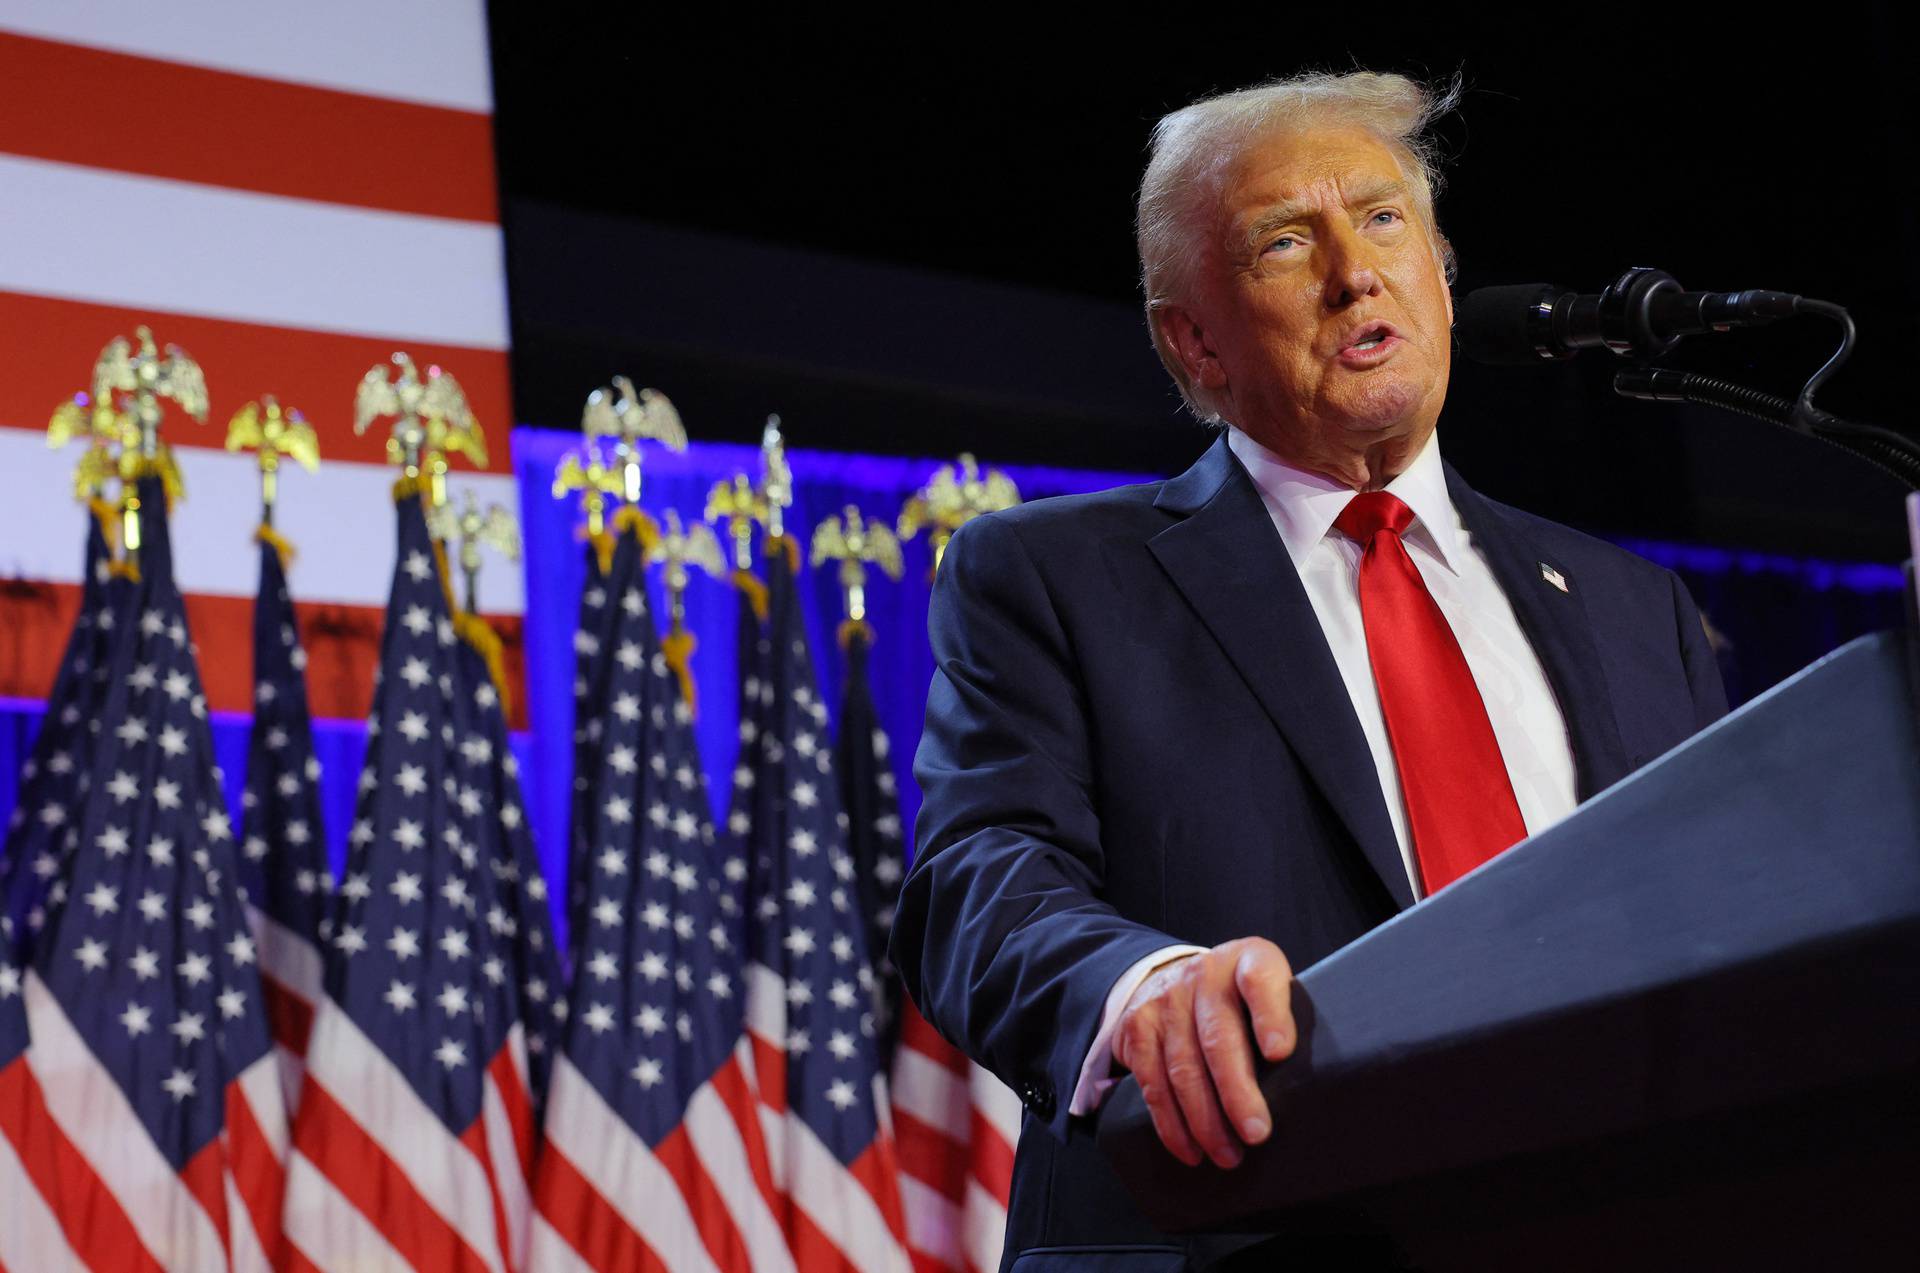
x=1136, y=735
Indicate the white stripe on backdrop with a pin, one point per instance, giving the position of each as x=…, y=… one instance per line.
x=335, y=518
x=431, y=51
x=146, y=242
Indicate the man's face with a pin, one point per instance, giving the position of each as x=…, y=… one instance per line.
x=1323, y=316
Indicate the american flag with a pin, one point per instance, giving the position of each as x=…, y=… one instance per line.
x=654, y=1156
x=149, y=1033
x=283, y=858
x=40, y=832
x=414, y=1129
x=809, y=987
x=589, y=644
x=521, y=914
x=955, y=1125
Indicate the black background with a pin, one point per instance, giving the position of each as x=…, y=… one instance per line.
x=1731, y=149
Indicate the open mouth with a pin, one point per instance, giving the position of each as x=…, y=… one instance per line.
x=1371, y=336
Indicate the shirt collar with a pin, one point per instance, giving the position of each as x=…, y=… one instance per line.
x=1304, y=505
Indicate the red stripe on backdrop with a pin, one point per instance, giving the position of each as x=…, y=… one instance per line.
x=134, y=114
x=991, y=1157
x=289, y=1015
x=257, y=1173
x=97, y=1228
x=770, y=1073
x=588, y=1222
x=52, y=345
x=342, y=643
x=359, y=1168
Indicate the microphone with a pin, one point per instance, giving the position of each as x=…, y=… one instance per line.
x=1643, y=313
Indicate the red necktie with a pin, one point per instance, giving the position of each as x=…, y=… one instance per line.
x=1460, y=805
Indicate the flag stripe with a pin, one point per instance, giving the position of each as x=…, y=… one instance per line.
x=237, y=255
x=933, y=1225
x=434, y=53
x=984, y=1228
x=373, y=1102
x=851, y=1219
x=93, y=1113
x=619, y=1169
x=257, y=1147
x=724, y=1121
x=930, y=1156
x=69, y=103
x=53, y=342
x=508, y=1142
x=337, y=1148
x=594, y=1228
x=322, y=1219
x=30, y=1236
x=104, y=1238
x=932, y=1093
x=990, y=1157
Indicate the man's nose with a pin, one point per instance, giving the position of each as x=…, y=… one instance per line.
x=1352, y=270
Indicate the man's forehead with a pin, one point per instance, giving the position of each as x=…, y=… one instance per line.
x=1310, y=168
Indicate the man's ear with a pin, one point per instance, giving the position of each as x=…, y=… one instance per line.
x=1187, y=340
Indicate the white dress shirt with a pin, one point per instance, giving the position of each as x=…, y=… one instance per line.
x=1526, y=718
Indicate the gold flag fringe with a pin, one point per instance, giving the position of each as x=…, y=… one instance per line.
x=754, y=591
x=477, y=633
x=678, y=647
x=850, y=628
x=266, y=534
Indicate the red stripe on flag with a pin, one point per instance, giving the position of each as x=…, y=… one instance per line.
x=729, y=1083
x=770, y=1072
x=917, y=1033
x=72, y=104
x=930, y=1156
x=475, y=1141
x=588, y=1222
x=342, y=644
x=356, y=1165
x=258, y=1174
x=709, y=1210
x=813, y=1251
x=877, y=1171
x=96, y=1226
x=52, y=345
x=991, y=1158
x=517, y=1101
x=204, y=1175
x=924, y=1263
x=289, y=1015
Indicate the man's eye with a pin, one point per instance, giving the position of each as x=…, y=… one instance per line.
x=1284, y=241
x=1389, y=216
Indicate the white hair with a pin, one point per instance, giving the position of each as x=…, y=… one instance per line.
x=1193, y=149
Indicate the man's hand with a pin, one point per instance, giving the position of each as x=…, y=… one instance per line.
x=1184, y=1036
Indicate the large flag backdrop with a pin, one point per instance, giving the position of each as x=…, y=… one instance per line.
x=289, y=193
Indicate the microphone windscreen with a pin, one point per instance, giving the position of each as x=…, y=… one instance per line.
x=1496, y=324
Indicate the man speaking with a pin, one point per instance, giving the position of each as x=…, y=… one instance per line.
x=1183, y=738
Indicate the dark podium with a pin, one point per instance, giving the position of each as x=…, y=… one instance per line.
x=1681, y=1029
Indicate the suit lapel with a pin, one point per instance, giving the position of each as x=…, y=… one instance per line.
x=1555, y=621
x=1226, y=558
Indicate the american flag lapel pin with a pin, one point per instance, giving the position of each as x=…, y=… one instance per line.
x=1553, y=576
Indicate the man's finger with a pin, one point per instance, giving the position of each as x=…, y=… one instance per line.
x=1220, y=1023
x=1192, y=1083
x=1265, y=981
x=1143, y=1058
